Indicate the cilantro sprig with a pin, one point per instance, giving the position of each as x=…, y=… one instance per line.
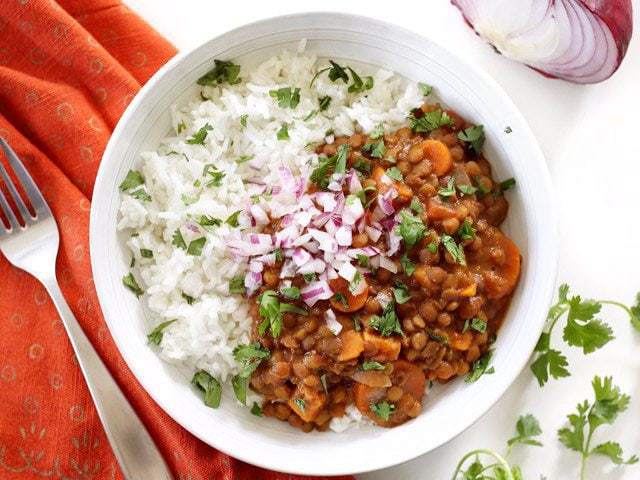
x=249, y=357
x=608, y=403
x=338, y=72
x=474, y=465
x=582, y=329
x=271, y=310
x=387, y=323
x=429, y=121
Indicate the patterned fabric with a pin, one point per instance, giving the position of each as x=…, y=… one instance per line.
x=68, y=69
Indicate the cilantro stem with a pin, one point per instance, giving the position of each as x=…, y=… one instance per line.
x=500, y=461
x=585, y=454
x=632, y=316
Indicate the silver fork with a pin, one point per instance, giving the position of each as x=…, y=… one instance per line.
x=34, y=248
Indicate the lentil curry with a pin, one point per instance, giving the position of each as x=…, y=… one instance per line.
x=431, y=277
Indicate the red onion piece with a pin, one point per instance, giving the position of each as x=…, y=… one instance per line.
x=581, y=41
x=332, y=323
x=315, y=291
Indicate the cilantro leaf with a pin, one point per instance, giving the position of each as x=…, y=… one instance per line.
x=377, y=132
x=395, y=174
x=455, y=250
x=283, y=133
x=132, y=180
x=256, y=410
x=407, y=265
x=208, y=221
x=480, y=367
x=430, y=121
x=614, y=452
x=209, y=386
x=474, y=136
x=141, y=195
x=236, y=285
x=449, y=190
x=130, y=282
x=372, y=365
x=287, y=97
x=416, y=205
x=290, y=292
x=178, y=240
x=200, y=136
x=155, y=337
x=223, y=71
x=411, y=228
x=425, y=89
x=195, y=246
x=324, y=102
x=375, y=149
x=401, y=293
x=527, y=427
x=233, y=218
x=550, y=362
x=383, y=409
x=387, y=323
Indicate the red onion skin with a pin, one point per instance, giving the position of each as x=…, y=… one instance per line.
x=616, y=14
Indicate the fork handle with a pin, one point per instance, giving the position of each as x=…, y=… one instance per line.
x=137, y=455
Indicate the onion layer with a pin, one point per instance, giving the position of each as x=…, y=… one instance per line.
x=581, y=41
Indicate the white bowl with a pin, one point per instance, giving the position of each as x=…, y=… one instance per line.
x=531, y=223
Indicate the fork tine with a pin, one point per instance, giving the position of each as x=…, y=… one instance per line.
x=31, y=189
x=6, y=209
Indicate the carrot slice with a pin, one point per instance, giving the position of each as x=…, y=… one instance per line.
x=439, y=154
x=436, y=210
x=502, y=284
x=353, y=302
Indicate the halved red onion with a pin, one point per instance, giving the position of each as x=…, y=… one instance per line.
x=581, y=41
x=315, y=291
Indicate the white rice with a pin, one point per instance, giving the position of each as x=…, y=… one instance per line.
x=206, y=332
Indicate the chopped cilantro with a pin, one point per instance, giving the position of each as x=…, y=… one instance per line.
x=208, y=221
x=387, y=324
x=480, y=367
x=449, y=190
x=141, y=194
x=188, y=298
x=223, y=71
x=236, y=285
x=130, y=282
x=372, y=365
x=155, y=337
x=425, y=89
x=200, y=136
x=407, y=265
x=474, y=136
x=132, y=180
x=178, y=240
x=377, y=132
x=411, y=229
x=300, y=403
x=233, y=218
x=283, y=133
x=243, y=119
x=375, y=149
x=395, y=174
x=363, y=260
x=244, y=158
x=383, y=409
x=209, y=386
x=401, y=293
x=146, y=253
x=416, y=205
x=430, y=121
x=455, y=250
x=340, y=297
x=256, y=410
x=466, y=230
x=292, y=293
x=287, y=97
x=195, y=246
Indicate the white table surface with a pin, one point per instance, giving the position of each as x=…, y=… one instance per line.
x=581, y=130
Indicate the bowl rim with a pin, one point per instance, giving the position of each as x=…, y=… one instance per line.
x=375, y=462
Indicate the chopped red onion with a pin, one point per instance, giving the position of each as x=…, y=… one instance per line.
x=314, y=266
x=343, y=236
x=326, y=241
x=301, y=256
x=383, y=299
x=388, y=264
x=332, y=323
x=373, y=233
x=252, y=281
x=353, y=210
x=315, y=291
x=259, y=214
x=354, y=182
x=347, y=271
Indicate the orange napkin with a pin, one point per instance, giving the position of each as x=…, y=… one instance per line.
x=68, y=69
